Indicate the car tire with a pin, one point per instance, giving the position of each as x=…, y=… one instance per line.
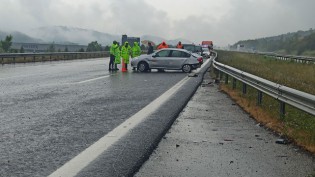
x=187, y=68
x=143, y=67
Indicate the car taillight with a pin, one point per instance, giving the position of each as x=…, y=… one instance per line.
x=199, y=59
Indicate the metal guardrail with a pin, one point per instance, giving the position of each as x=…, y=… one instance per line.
x=285, y=95
x=300, y=59
x=49, y=56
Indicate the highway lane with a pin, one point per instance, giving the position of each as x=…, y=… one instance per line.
x=52, y=111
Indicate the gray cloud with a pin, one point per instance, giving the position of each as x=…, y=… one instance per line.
x=243, y=19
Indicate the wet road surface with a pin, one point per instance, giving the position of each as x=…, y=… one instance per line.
x=52, y=111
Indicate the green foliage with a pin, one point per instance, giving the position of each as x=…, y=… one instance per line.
x=22, y=49
x=6, y=44
x=51, y=48
x=94, y=46
x=66, y=49
x=81, y=50
x=107, y=48
x=292, y=43
x=291, y=74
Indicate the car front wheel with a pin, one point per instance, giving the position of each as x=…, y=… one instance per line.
x=142, y=67
x=186, y=68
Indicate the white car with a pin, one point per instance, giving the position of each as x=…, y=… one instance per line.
x=206, y=53
x=168, y=59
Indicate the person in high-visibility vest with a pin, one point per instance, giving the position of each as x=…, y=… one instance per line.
x=162, y=46
x=117, y=55
x=112, y=56
x=125, y=53
x=136, y=50
x=179, y=45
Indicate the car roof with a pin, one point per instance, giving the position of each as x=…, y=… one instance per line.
x=183, y=50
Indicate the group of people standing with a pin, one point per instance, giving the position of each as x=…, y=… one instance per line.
x=124, y=52
x=164, y=45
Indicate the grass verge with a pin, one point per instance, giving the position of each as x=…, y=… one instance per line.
x=297, y=125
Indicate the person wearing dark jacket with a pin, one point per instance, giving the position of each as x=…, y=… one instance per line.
x=150, y=49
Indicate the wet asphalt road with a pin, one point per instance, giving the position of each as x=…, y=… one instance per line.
x=50, y=112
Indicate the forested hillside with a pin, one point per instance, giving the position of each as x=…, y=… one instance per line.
x=298, y=43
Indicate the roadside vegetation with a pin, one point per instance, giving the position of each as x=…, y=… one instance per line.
x=296, y=125
x=297, y=43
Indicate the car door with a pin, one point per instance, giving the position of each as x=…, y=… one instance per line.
x=177, y=59
x=160, y=59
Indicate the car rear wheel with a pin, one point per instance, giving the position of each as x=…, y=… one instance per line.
x=143, y=66
x=186, y=68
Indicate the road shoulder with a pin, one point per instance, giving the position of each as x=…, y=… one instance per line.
x=214, y=137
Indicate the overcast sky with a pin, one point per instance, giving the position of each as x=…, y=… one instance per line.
x=223, y=21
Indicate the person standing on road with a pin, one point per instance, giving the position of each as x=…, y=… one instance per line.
x=179, y=45
x=162, y=46
x=117, y=56
x=150, y=49
x=125, y=53
x=136, y=50
x=112, y=56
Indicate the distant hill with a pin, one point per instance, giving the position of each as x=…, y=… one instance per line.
x=72, y=35
x=64, y=34
x=19, y=37
x=296, y=43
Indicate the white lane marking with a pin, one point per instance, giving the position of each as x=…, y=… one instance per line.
x=94, y=79
x=75, y=165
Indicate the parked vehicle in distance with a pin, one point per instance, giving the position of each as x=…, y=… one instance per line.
x=208, y=44
x=168, y=59
x=193, y=48
x=206, y=52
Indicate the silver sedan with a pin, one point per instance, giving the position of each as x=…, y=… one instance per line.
x=168, y=59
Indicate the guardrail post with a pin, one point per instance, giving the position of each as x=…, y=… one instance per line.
x=282, y=109
x=34, y=58
x=226, y=78
x=259, y=97
x=14, y=60
x=2, y=61
x=234, y=83
x=220, y=75
x=244, y=88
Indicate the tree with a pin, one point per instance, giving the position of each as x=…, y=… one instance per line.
x=22, y=49
x=94, y=46
x=51, y=48
x=6, y=44
x=66, y=49
x=81, y=50
x=106, y=48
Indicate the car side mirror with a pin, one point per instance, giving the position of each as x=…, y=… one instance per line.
x=154, y=55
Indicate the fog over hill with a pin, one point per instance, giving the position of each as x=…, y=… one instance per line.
x=19, y=37
x=72, y=35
